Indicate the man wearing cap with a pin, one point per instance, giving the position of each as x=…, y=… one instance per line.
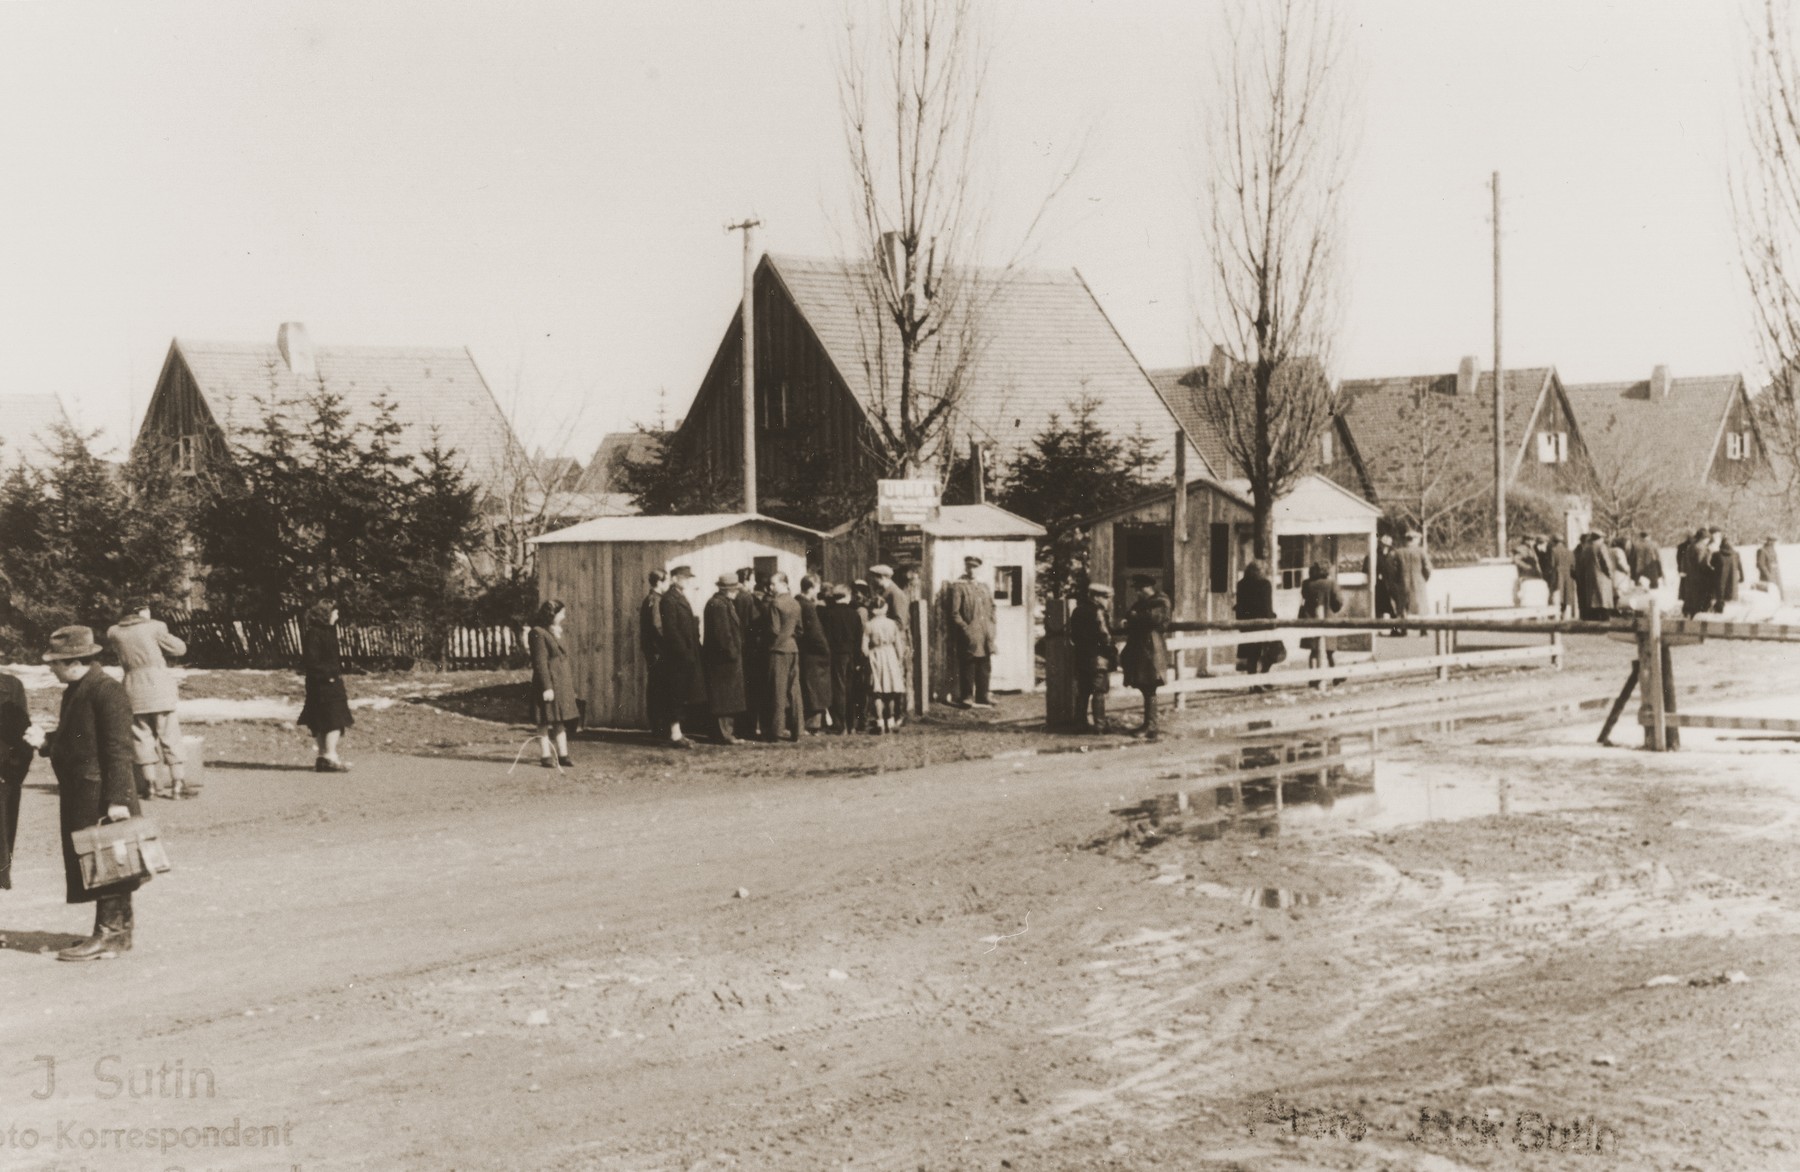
x=679, y=671
x=781, y=625
x=882, y=585
x=723, y=655
x=90, y=752
x=969, y=613
x=650, y=639
x=1146, y=655
x=1096, y=654
x=139, y=643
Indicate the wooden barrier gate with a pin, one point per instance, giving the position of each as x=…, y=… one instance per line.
x=1654, y=670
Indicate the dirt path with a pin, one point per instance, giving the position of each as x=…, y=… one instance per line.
x=975, y=964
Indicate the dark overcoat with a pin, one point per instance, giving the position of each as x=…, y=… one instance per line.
x=90, y=752
x=843, y=626
x=1728, y=574
x=1095, y=651
x=1146, y=654
x=1593, y=580
x=327, y=707
x=1412, y=569
x=1320, y=598
x=723, y=656
x=815, y=658
x=551, y=671
x=679, y=676
x=1562, y=573
x=15, y=763
x=1255, y=599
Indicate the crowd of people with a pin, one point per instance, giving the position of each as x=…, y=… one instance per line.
x=1594, y=580
x=763, y=661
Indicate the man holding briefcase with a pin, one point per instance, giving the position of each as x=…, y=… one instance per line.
x=90, y=751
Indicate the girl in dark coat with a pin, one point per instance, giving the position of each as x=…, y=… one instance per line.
x=1320, y=598
x=90, y=752
x=327, y=709
x=1256, y=600
x=1146, y=654
x=554, y=704
x=681, y=678
x=815, y=657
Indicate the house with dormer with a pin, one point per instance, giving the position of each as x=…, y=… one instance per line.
x=1699, y=430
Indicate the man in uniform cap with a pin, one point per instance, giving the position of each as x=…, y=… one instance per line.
x=969, y=614
x=723, y=656
x=1096, y=654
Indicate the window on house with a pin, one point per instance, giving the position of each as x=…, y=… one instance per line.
x=1733, y=447
x=187, y=455
x=1009, y=585
x=775, y=405
x=1553, y=447
x=1290, y=553
x=1562, y=447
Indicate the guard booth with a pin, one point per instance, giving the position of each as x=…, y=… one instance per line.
x=929, y=544
x=601, y=570
x=1198, y=569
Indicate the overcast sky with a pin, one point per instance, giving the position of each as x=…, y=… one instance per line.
x=547, y=183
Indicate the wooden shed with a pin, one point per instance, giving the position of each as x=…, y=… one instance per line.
x=601, y=569
x=1318, y=521
x=935, y=547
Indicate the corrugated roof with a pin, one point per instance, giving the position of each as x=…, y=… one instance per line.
x=28, y=425
x=981, y=521
x=1376, y=411
x=1680, y=431
x=1048, y=344
x=436, y=391
x=678, y=528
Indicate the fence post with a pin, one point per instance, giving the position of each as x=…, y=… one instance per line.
x=921, y=660
x=1443, y=641
x=1650, y=657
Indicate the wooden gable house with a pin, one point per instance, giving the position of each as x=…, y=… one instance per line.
x=1045, y=343
x=1701, y=430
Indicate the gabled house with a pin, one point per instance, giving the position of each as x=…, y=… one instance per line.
x=211, y=396
x=30, y=427
x=1044, y=343
x=1699, y=430
x=1404, y=439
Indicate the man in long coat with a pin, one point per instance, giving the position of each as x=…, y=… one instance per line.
x=969, y=611
x=15, y=762
x=1562, y=576
x=650, y=640
x=723, y=656
x=1412, y=569
x=1385, y=573
x=751, y=620
x=1646, y=560
x=843, y=624
x=1768, y=567
x=90, y=753
x=815, y=657
x=1593, y=578
x=683, y=680
x=1096, y=654
x=1146, y=655
x=781, y=623
x=1728, y=573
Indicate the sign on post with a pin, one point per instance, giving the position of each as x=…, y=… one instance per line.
x=906, y=502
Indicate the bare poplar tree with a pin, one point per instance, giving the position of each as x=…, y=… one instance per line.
x=1435, y=470
x=912, y=76
x=1765, y=194
x=1275, y=154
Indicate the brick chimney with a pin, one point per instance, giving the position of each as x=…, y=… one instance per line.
x=1660, y=382
x=1468, y=374
x=296, y=350
x=1218, y=368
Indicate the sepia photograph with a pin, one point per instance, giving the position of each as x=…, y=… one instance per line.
x=909, y=585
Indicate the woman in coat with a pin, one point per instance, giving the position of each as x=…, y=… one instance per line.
x=1320, y=598
x=17, y=734
x=723, y=655
x=554, y=705
x=90, y=752
x=139, y=643
x=327, y=709
x=1256, y=600
x=815, y=658
x=1146, y=654
x=1728, y=574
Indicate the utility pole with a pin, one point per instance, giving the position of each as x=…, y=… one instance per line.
x=1499, y=396
x=748, y=227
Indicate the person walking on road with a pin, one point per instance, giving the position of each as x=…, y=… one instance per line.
x=1255, y=599
x=650, y=640
x=1412, y=570
x=1096, y=655
x=555, y=708
x=682, y=679
x=843, y=625
x=18, y=735
x=1146, y=654
x=1562, y=578
x=723, y=655
x=1320, y=598
x=90, y=753
x=887, y=675
x=139, y=643
x=326, y=713
x=815, y=658
x=1768, y=567
x=969, y=611
x=783, y=711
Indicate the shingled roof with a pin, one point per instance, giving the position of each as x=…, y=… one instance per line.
x=28, y=427
x=1182, y=388
x=601, y=475
x=1622, y=419
x=437, y=392
x=1048, y=343
x=1375, y=411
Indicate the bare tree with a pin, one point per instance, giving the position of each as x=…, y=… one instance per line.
x=1765, y=194
x=912, y=79
x=1435, y=470
x=1275, y=154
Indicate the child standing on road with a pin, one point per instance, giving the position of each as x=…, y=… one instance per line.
x=887, y=676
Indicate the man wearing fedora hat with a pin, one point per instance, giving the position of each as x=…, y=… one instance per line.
x=723, y=654
x=90, y=752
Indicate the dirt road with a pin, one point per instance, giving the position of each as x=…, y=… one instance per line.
x=431, y=964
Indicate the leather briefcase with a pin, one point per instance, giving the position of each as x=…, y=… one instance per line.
x=112, y=852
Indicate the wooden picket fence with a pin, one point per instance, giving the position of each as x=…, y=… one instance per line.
x=228, y=643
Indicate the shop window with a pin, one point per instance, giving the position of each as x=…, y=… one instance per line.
x=1291, y=554
x=1009, y=586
